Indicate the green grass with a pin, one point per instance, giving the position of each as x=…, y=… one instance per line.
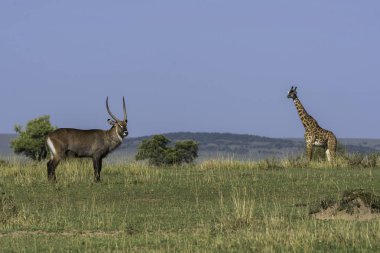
x=217, y=206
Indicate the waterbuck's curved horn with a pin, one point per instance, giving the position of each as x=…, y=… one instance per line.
x=125, y=110
x=109, y=111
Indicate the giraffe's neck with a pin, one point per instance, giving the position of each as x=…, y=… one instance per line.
x=306, y=119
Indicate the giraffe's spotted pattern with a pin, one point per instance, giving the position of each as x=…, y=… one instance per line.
x=314, y=134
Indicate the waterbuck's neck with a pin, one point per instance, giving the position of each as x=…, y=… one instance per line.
x=114, y=139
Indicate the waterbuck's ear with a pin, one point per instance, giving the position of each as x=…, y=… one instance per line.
x=111, y=122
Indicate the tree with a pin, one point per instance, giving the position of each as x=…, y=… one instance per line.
x=158, y=153
x=186, y=151
x=31, y=142
x=154, y=150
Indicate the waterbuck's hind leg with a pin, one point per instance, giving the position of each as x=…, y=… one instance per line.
x=51, y=165
x=49, y=168
x=97, y=168
x=54, y=160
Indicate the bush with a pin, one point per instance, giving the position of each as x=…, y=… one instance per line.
x=158, y=153
x=185, y=151
x=153, y=149
x=31, y=142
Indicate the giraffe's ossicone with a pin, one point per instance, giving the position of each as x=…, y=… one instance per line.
x=314, y=134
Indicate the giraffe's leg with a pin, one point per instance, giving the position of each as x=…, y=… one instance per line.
x=309, y=151
x=328, y=155
x=331, y=147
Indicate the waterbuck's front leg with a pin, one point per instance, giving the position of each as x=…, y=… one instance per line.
x=97, y=161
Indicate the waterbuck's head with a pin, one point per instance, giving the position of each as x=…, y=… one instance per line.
x=292, y=93
x=119, y=125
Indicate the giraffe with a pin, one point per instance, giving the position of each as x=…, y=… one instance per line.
x=314, y=134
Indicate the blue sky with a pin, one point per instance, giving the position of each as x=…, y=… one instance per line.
x=199, y=65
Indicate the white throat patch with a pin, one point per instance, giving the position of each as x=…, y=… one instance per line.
x=118, y=136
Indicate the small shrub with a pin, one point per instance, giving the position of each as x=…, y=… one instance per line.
x=186, y=151
x=31, y=141
x=156, y=151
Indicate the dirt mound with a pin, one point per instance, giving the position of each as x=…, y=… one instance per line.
x=354, y=205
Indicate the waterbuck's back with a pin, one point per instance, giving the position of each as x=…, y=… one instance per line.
x=77, y=142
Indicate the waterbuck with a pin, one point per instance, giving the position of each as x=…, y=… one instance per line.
x=94, y=143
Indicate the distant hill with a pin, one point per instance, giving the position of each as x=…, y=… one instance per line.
x=5, y=140
x=238, y=146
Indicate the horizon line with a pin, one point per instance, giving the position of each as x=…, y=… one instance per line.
x=197, y=132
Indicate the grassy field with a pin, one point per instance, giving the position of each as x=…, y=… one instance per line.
x=214, y=206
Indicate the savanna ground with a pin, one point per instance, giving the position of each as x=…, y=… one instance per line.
x=213, y=206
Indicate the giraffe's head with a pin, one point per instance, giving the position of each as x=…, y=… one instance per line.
x=292, y=93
